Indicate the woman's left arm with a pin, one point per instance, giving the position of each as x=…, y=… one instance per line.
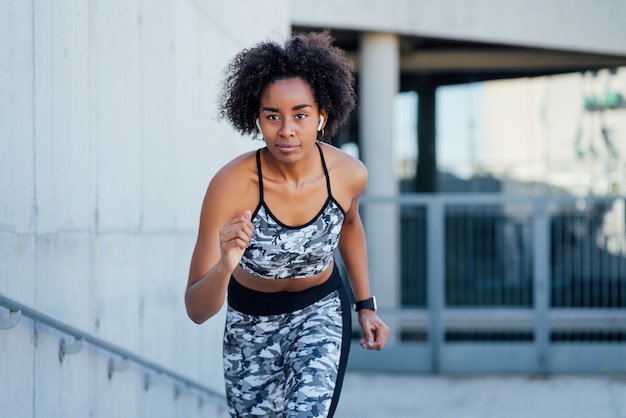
x=353, y=250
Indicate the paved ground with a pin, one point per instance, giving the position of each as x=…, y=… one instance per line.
x=423, y=396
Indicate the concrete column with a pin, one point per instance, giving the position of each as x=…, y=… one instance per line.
x=379, y=82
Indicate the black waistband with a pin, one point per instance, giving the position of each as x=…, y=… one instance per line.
x=253, y=302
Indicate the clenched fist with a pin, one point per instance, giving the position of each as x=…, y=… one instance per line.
x=234, y=239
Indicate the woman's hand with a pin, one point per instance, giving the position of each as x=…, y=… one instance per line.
x=234, y=239
x=375, y=332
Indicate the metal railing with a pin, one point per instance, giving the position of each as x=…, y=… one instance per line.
x=118, y=363
x=544, y=272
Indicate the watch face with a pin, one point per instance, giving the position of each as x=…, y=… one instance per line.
x=366, y=304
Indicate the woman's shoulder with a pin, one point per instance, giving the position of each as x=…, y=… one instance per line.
x=236, y=175
x=233, y=189
x=344, y=169
x=239, y=165
x=342, y=162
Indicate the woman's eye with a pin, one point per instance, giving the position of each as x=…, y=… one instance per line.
x=300, y=116
x=272, y=117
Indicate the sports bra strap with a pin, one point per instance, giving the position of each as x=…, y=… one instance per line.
x=330, y=193
x=260, y=174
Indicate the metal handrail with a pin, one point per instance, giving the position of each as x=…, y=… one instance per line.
x=17, y=309
x=501, y=318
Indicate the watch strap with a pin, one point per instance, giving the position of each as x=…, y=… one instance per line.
x=369, y=303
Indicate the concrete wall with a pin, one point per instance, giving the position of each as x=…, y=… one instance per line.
x=108, y=139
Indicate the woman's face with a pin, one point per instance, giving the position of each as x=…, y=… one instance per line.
x=289, y=118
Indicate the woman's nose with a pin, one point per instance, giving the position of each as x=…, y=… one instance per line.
x=287, y=128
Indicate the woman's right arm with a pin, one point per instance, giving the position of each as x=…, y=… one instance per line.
x=223, y=236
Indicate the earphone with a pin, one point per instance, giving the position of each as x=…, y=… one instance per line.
x=258, y=124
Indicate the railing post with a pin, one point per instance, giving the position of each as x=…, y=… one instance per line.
x=541, y=284
x=69, y=347
x=436, y=279
x=12, y=320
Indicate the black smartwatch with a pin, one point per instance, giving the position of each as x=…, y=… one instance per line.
x=369, y=303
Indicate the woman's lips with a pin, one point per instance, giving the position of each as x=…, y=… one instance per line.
x=286, y=147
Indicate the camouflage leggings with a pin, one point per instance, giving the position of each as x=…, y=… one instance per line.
x=289, y=364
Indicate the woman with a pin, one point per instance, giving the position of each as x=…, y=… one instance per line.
x=270, y=222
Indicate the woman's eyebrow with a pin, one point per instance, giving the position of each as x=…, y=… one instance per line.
x=275, y=110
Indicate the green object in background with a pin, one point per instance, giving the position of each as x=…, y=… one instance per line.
x=612, y=99
x=591, y=103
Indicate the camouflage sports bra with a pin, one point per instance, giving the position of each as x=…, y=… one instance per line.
x=279, y=251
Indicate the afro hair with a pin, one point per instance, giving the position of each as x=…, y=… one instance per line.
x=311, y=57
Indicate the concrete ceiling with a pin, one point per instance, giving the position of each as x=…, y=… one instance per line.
x=446, y=61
